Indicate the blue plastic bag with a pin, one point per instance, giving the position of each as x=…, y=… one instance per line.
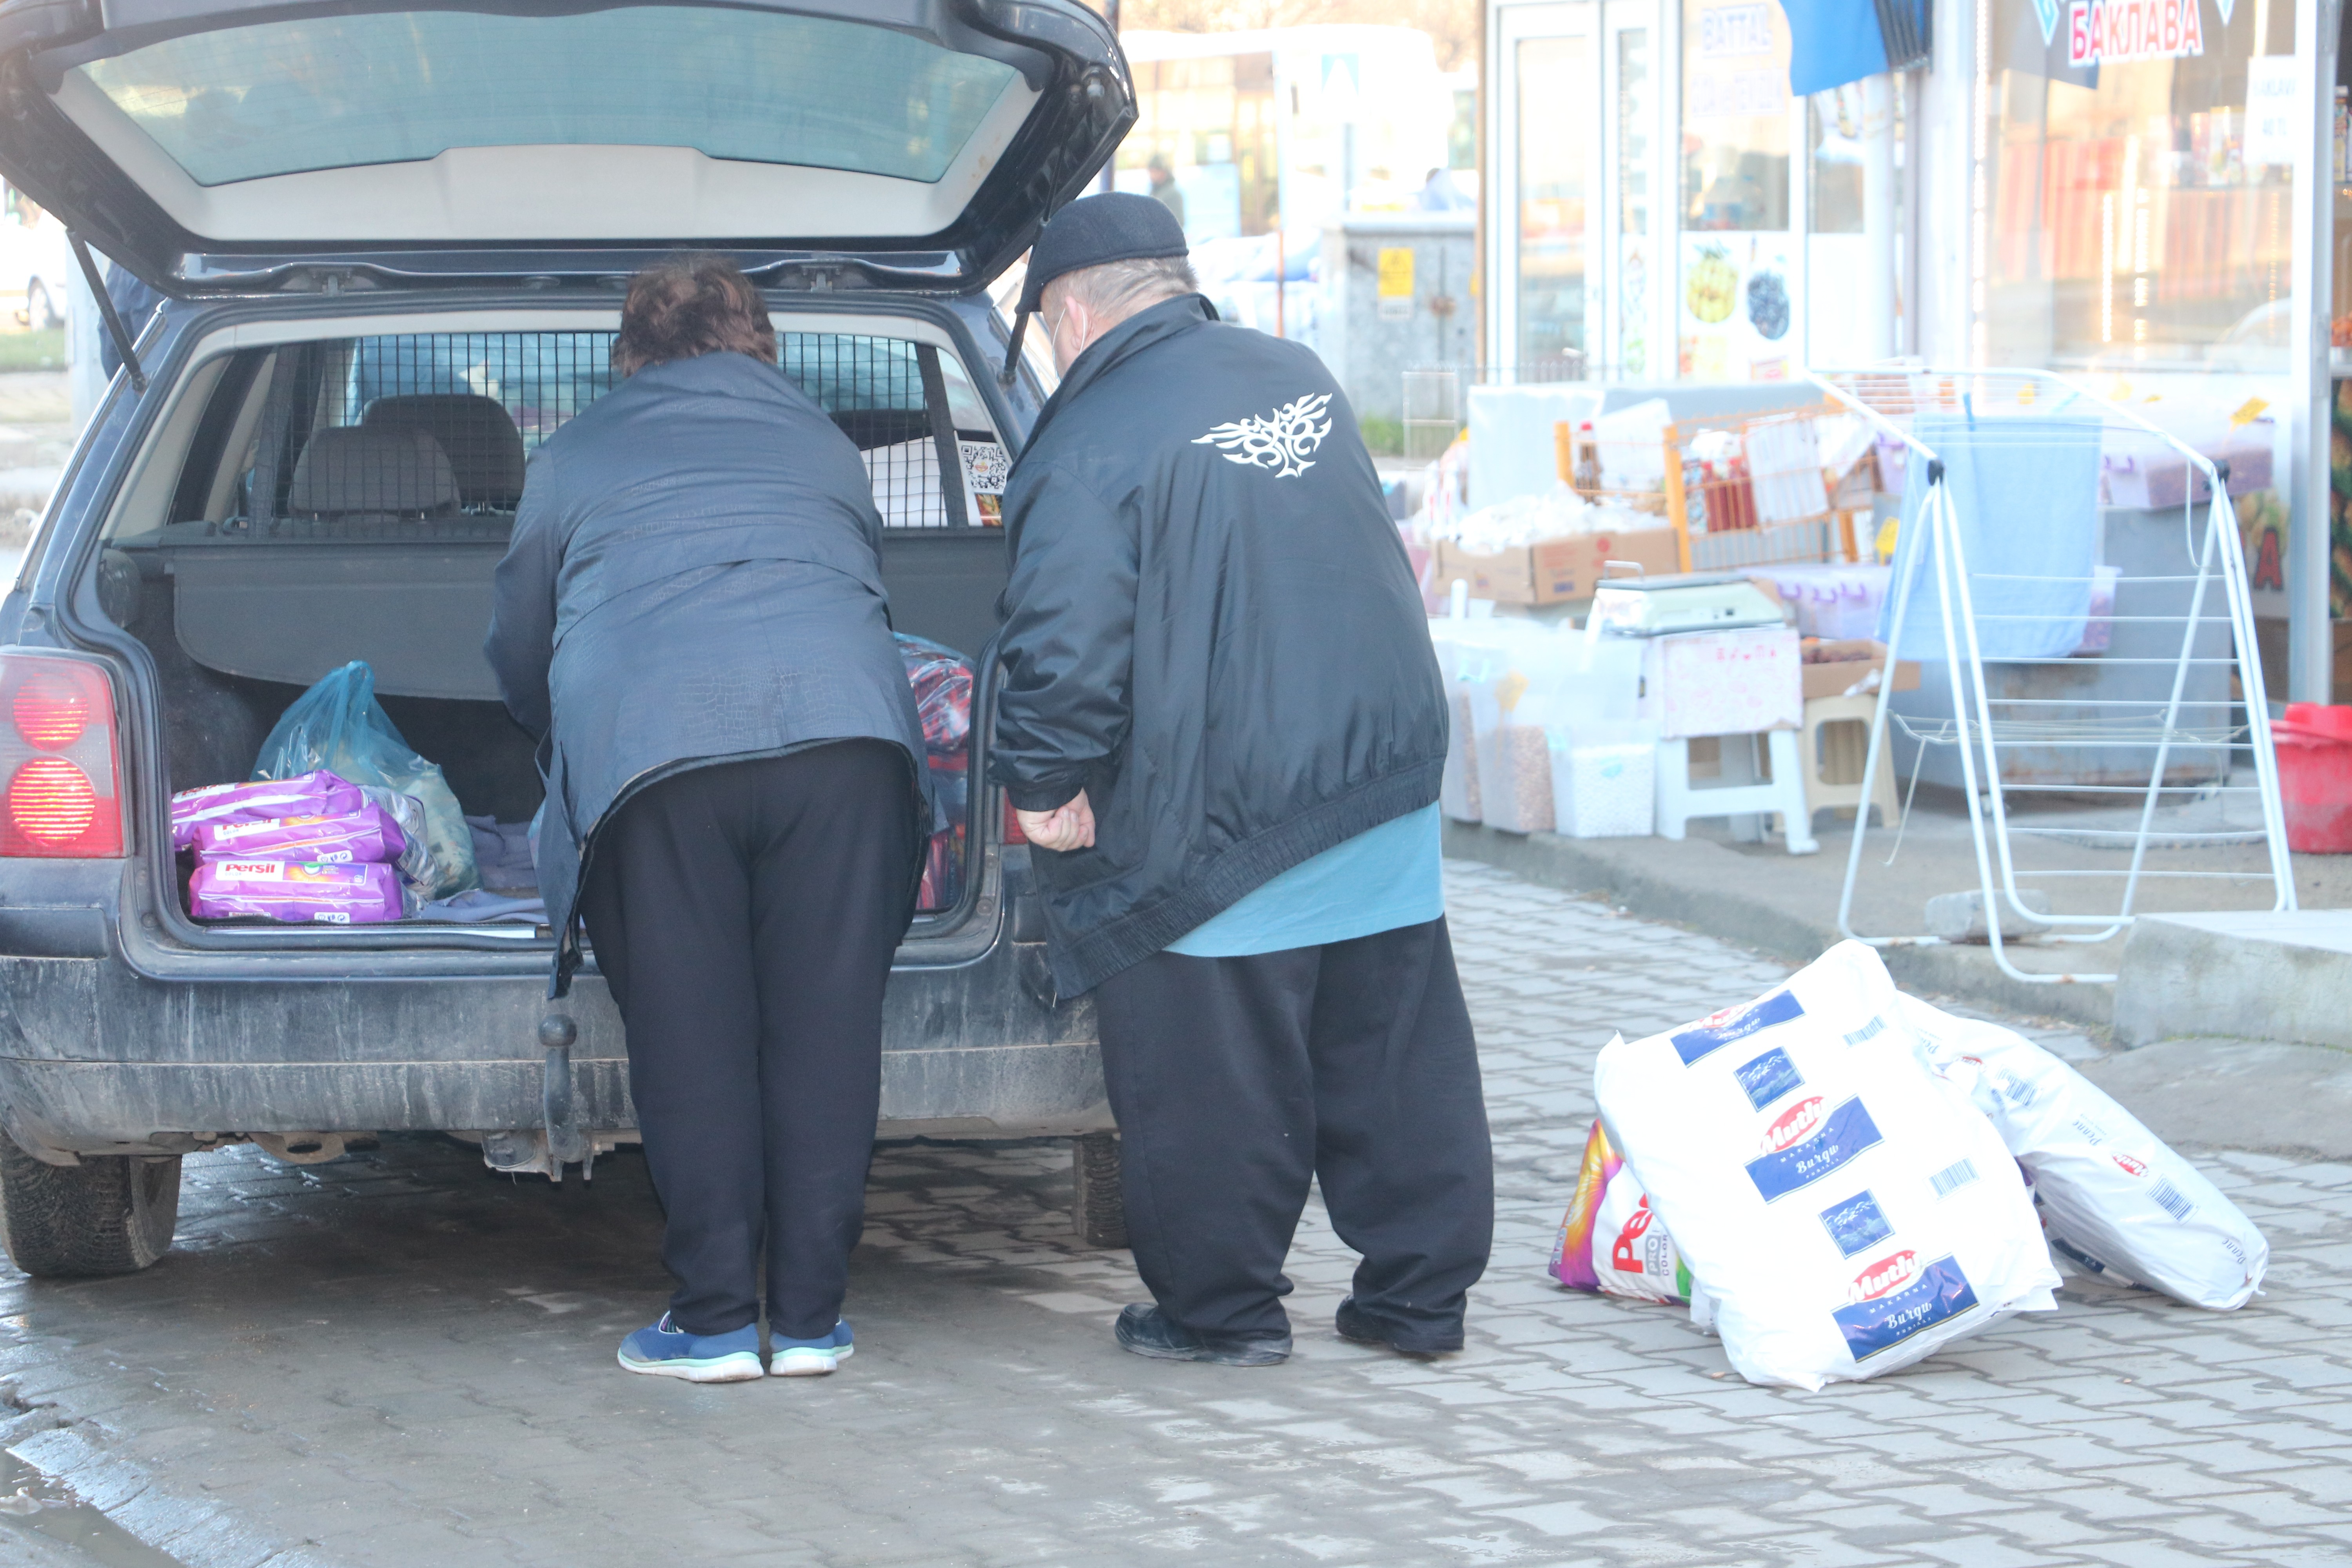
x=338, y=726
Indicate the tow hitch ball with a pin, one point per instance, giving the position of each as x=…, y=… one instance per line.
x=566, y=1143
x=559, y=1140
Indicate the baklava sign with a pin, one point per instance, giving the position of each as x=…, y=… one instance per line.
x=2109, y=32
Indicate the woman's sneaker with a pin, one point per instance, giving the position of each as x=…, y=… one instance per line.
x=810, y=1358
x=663, y=1350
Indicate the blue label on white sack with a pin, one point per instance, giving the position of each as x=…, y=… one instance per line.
x=1767, y=1078
x=1935, y=1294
x=1840, y=1136
x=1776, y=1009
x=1857, y=1223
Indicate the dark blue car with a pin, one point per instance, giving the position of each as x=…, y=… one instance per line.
x=393, y=243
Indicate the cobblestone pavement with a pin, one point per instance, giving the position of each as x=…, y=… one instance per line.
x=403, y=1358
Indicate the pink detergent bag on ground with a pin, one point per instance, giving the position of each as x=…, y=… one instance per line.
x=367, y=835
x=320, y=793
x=297, y=892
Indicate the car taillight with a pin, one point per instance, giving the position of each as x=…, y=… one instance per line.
x=57, y=759
x=1012, y=834
x=50, y=713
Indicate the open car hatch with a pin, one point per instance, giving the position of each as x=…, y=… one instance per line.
x=212, y=144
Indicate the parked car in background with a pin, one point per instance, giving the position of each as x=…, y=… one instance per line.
x=34, y=261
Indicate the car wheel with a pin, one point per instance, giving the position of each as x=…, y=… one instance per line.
x=112, y=1214
x=40, y=312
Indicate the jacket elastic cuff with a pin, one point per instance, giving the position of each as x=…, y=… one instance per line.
x=1040, y=797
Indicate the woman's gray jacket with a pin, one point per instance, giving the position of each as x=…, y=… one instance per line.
x=695, y=577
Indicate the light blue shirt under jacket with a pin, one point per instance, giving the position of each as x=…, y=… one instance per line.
x=1387, y=877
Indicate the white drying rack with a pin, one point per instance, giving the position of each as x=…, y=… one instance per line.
x=2077, y=745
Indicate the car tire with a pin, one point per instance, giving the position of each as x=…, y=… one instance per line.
x=40, y=311
x=112, y=1214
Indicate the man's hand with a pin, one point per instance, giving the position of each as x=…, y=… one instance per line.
x=1070, y=825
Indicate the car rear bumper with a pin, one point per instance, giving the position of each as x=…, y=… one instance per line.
x=96, y=1058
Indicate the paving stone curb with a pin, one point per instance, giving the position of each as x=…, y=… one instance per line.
x=197, y=1533
x=1634, y=878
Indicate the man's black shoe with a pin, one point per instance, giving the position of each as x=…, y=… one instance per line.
x=1365, y=1330
x=1145, y=1330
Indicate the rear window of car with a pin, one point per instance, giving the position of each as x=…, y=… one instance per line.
x=330, y=93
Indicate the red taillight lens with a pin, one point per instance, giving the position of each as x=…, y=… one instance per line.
x=1012, y=834
x=49, y=712
x=51, y=801
x=57, y=759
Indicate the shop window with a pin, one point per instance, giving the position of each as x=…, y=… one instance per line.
x=1736, y=312
x=2134, y=220
x=1553, y=155
x=1735, y=116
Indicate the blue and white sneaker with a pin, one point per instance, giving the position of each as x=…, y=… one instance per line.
x=810, y=1358
x=663, y=1350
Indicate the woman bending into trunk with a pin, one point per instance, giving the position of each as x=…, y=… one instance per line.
x=691, y=616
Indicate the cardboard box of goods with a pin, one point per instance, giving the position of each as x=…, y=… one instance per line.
x=1556, y=570
x=1835, y=666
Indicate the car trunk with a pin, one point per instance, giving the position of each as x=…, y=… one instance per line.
x=346, y=497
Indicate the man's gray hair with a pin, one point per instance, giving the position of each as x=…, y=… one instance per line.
x=1118, y=290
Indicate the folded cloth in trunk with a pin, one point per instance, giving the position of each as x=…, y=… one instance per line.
x=502, y=854
x=479, y=906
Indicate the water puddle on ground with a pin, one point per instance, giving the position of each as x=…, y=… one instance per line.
x=33, y=1502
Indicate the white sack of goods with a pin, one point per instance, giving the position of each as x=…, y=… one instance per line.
x=1846, y=1210
x=2113, y=1197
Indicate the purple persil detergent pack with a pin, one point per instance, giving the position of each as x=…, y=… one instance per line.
x=367, y=833
x=320, y=793
x=298, y=891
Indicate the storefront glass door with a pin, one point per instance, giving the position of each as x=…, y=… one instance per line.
x=1575, y=138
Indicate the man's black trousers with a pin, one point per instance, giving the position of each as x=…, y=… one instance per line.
x=744, y=915
x=1234, y=1080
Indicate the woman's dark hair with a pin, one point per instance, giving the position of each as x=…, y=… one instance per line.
x=684, y=306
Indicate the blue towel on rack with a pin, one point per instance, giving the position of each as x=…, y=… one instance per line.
x=2025, y=493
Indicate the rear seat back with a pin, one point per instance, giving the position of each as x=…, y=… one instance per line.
x=373, y=473
x=477, y=433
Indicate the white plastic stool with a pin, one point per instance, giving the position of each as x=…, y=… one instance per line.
x=1848, y=752
x=1785, y=794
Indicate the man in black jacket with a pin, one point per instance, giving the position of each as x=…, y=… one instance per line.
x=1222, y=726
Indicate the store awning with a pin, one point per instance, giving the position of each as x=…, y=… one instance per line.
x=1833, y=42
